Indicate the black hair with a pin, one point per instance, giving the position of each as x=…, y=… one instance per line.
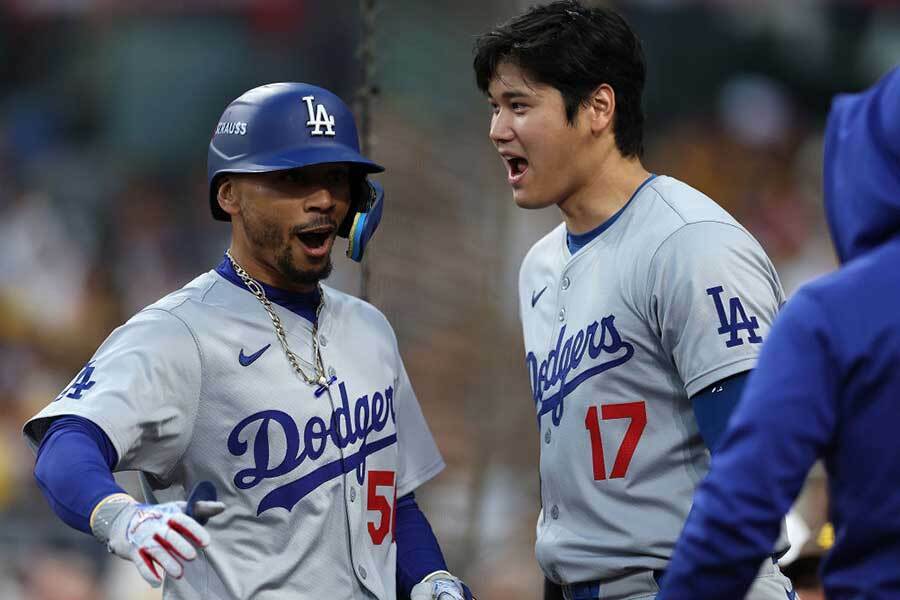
x=574, y=49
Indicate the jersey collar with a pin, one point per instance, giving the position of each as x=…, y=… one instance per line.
x=303, y=304
x=576, y=242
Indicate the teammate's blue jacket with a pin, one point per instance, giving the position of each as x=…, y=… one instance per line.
x=827, y=385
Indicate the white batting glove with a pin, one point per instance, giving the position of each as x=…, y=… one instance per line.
x=440, y=585
x=157, y=538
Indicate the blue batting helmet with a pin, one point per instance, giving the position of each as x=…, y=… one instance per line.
x=283, y=126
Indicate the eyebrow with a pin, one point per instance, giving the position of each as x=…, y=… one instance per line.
x=513, y=93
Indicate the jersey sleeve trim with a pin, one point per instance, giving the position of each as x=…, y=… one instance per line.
x=35, y=430
x=426, y=474
x=704, y=380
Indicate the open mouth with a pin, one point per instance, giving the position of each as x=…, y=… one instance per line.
x=316, y=241
x=516, y=167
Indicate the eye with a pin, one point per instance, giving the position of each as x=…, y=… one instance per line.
x=337, y=177
x=291, y=177
x=518, y=107
x=495, y=108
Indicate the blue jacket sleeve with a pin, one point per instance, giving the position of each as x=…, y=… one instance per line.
x=418, y=552
x=714, y=406
x=784, y=420
x=74, y=469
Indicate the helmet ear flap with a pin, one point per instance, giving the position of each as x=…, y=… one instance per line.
x=366, y=221
x=360, y=201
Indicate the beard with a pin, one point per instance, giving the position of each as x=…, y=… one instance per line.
x=266, y=235
x=309, y=276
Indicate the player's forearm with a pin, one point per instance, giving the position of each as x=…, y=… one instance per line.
x=418, y=551
x=74, y=470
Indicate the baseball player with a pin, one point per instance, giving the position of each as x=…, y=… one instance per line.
x=827, y=386
x=283, y=402
x=642, y=312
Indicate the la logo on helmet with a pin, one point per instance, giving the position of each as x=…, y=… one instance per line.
x=318, y=117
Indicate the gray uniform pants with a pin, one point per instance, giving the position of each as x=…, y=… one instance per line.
x=770, y=584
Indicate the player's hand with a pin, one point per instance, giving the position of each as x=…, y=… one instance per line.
x=441, y=585
x=157, y=538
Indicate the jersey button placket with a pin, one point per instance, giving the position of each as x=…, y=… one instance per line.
x=547, y=436
x=563, y=286
x=362, y=572
x=554, y=512
x=353, y=494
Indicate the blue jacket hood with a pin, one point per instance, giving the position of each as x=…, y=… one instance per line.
x=862, y=168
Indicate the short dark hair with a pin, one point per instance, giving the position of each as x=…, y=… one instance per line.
x=574, y=49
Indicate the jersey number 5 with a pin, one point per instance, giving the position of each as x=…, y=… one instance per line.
x=379, y=503
x=637, y=412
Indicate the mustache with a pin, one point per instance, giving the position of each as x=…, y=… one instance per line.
x=317, y=223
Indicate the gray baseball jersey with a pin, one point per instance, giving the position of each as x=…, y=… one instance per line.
x=674, y=296
x=196, y=387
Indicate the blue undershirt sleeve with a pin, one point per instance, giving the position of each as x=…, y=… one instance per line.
x=713, y=407
x=786, y=419
x=418, y=551
x=74, y=469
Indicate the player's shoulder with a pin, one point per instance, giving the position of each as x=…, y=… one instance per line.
x=874, y=270
x=355, y=312
x=852, y=313
x=674, y=204
x=154, y=331
x=181, y=303
x=170, y=316
x=676, y=215
x=196, y=290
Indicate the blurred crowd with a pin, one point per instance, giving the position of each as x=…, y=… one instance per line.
x=105, y=115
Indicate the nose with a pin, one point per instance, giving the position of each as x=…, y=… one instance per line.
x=322, y=200
x=501, y=129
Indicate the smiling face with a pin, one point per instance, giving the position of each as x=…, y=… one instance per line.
x=285, y=222
x=544, y=154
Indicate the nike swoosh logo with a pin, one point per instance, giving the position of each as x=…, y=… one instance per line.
x=246, y=361
x=536, y=297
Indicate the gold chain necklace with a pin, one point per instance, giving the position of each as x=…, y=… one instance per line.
x=257, y=290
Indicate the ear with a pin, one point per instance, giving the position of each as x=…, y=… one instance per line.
x=227, y=196
x=602, y=108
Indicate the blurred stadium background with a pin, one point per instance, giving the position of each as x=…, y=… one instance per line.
x=106, y=109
